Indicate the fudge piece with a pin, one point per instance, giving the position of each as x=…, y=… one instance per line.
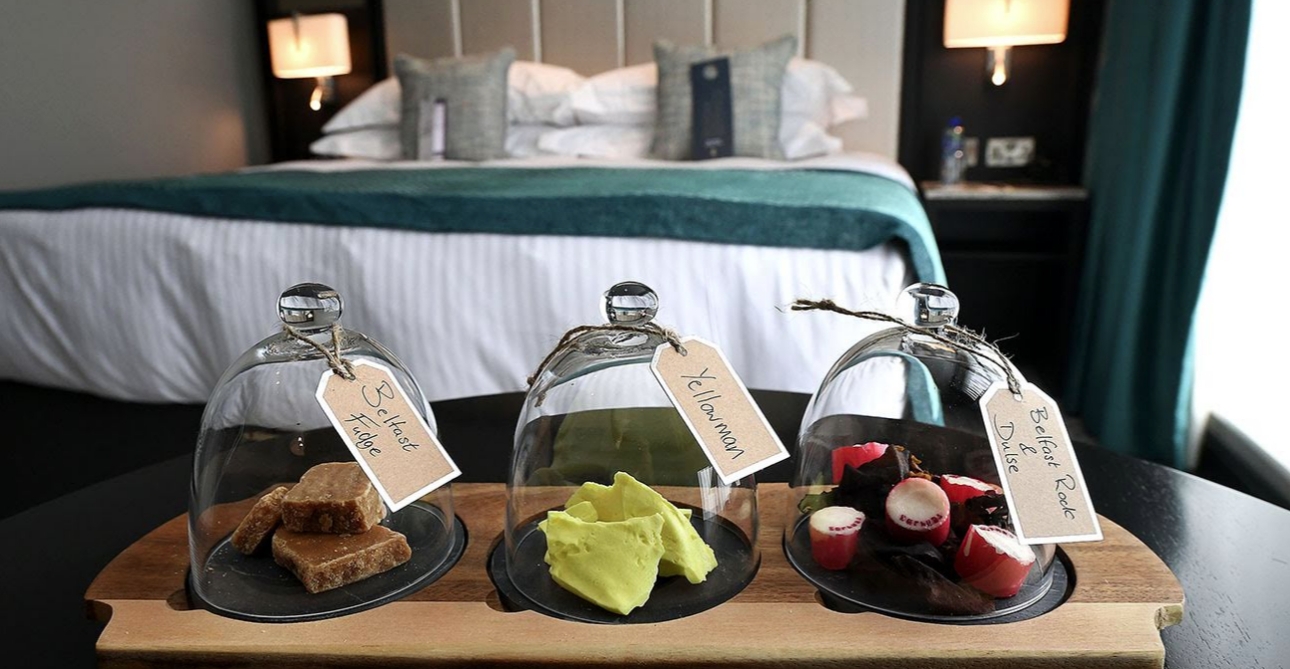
x=256, y=526
x=326, y=561
x=610, y=564
x=336, y=497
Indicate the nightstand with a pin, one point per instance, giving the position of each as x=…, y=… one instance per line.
x=1013, y=254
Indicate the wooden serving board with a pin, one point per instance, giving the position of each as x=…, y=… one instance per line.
x=1123, y=596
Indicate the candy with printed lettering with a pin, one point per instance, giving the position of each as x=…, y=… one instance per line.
x=938, y=530
x=918, y=510
x=854, y=456
x=835, y=535
x=991, y=560
x=960, y=489
x=904, y=428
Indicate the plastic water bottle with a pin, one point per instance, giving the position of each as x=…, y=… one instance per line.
x=952, y=158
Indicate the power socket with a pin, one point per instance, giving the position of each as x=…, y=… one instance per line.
x=1009, y=151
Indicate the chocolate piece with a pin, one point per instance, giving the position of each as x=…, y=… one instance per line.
x=942, y=595
x=988, y=509
x=327, y=561
x=864, y=488
x=336, y=497
x=880, y=546
x=256, y=526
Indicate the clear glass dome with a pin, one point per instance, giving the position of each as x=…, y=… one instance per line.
x=896, y=482
x=594, y=416
x=263, y=429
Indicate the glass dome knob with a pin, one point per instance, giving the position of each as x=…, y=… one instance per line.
x=630, y=303
x=928, y=305
x=310, y=306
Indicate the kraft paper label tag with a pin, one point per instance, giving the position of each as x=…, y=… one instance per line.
x=1037, y=466
x=717, y=408
x=389, y=439
x=432, y=129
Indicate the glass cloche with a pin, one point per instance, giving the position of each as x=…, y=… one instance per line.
x=283, y=525
x=896, y=503
x=614, y=513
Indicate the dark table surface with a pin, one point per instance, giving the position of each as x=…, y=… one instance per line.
x=1230, y=551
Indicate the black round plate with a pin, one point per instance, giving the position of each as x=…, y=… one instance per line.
x=849, y=592
x=255, y=588
x=673, y=597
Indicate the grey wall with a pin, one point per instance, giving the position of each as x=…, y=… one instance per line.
x=98, y=89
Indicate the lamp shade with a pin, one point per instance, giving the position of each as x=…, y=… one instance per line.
x=995, y=23
x=309, y=46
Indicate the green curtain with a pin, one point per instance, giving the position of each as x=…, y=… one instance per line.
x=1160, y=136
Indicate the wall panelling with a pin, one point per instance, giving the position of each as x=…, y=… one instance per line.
x=861, y=38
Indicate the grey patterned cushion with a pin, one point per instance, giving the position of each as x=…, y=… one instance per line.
x=755, y=78
x=474, y=91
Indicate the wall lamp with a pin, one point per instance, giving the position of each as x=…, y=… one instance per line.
x=316, y=46
x=999, y=25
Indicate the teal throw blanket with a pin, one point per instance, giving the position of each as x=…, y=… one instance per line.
x=794, y=208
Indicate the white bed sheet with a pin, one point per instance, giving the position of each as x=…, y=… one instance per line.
x=152, y=307
x=854, y=161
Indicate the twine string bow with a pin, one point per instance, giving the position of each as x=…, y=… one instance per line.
x=567, y=340
x=341, y=366
x=959, y=334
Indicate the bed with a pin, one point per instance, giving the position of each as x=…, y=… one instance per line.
x=146, y=291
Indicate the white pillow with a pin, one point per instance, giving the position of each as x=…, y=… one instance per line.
x=523, y=141
x=633, y=141
x=625, y=96
x=812, y=91
x=807, y=140
x=382, y=143
x=537, y=94
x=599, y=141
x=377, y=106
x=815, y=92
